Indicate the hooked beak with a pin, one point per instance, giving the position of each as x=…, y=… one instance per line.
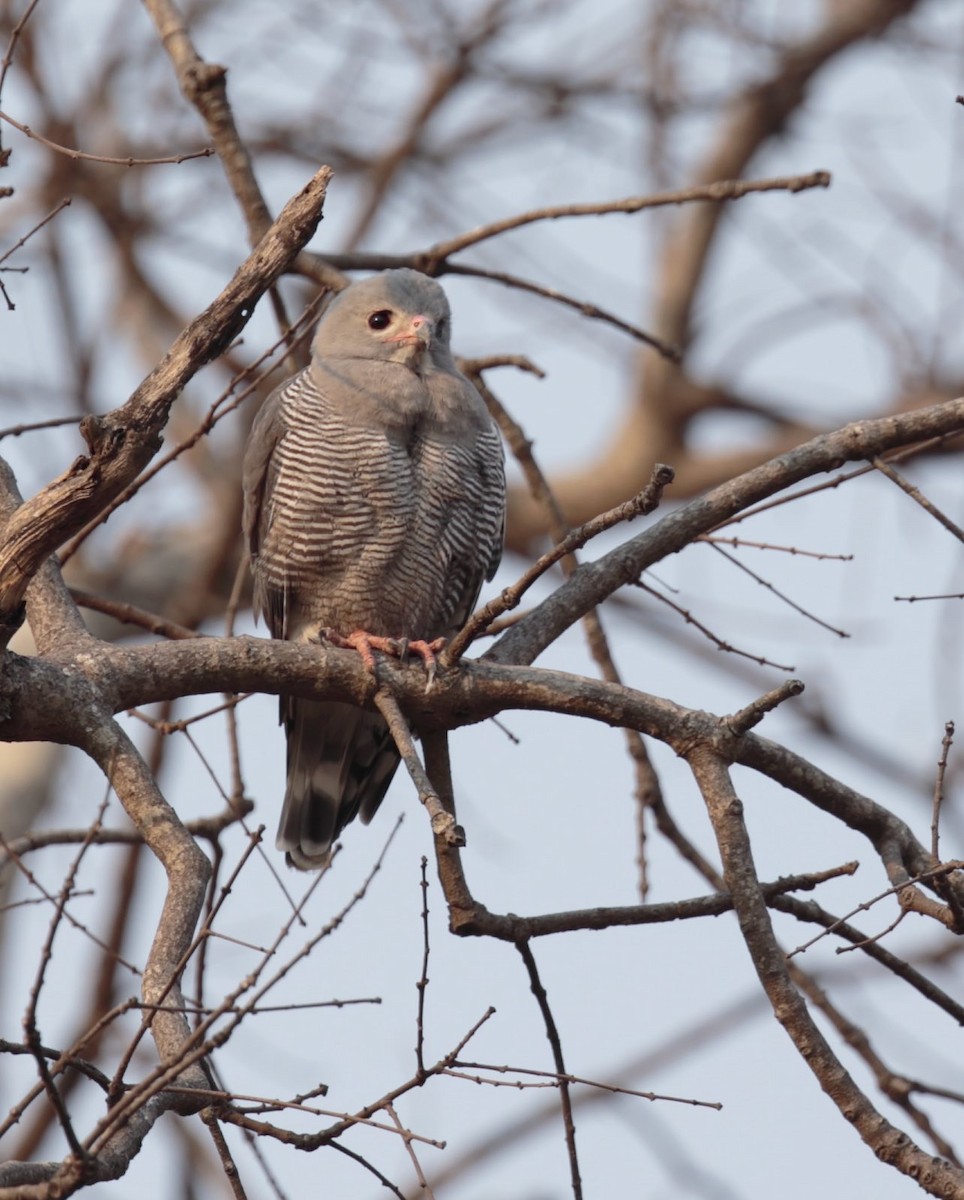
x=418, y=333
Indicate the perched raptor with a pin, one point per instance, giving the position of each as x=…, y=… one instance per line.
x=374, y=499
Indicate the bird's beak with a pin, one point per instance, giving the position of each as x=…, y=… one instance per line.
x=418, y=333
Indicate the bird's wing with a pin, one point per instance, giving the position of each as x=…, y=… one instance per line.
x=259, y=474
x=479, y=545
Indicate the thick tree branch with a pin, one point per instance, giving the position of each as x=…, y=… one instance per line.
x=594, y=582
x=889, y=1144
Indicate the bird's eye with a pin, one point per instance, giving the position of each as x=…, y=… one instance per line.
x=380, y=320
x=442, y=328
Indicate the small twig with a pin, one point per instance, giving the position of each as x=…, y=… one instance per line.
x=88, y=837
x=31, y=1032
x=266, y=1105
x=228, y=1165
x=443, y=822
x=738, y=543
x=641, y=504
x=902, y=455
x=780, y=595
x=168, y=727
x=53, y=423
x=422, y=984
x=40, y=224
x=553, y=1080
x=203, y=1010
x=916, y=494
x=718, y=642
x=946, y=742
x=407, y=1137
x=898, y=890
x=15, y=34
x=591, y=311
x=363, y=1162
x=130, y=614
x=727, y=189
x=743, y=721
x=945, y=596
x=475, y=366
x=104, y=158
x=555, y=1044
x=874, y=937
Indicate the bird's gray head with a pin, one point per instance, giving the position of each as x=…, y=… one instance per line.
x=398, y=316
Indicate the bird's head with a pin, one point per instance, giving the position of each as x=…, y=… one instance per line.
x=398, y=316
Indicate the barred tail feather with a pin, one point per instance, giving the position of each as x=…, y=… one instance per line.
x=340, y=763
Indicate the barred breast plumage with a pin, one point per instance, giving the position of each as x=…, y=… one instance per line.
x=374, y=500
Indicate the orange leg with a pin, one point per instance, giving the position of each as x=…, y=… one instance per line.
x=366, y=643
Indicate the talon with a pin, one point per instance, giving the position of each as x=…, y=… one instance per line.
x=427, y=652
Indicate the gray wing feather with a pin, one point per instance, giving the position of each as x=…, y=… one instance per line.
x=259, y=475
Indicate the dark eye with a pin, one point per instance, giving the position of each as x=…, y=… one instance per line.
x=380, y=320
x=442, y=329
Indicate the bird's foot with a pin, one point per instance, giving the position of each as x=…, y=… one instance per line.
x=364, y=643
x=427, y=652
x=400, y=648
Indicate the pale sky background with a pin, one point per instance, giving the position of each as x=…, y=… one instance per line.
x=550, y=821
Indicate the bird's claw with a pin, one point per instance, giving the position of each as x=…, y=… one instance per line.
x=400, y=648
x=427, y=652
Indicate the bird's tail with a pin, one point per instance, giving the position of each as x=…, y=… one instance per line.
x=341, y=760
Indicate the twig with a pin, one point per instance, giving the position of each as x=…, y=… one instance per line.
x=53, y=423
x=443, y=822
x=552, y=1034
x=407, y=1137
x=475, y=366
x=15, y=34
x=592, y=311
x=944, y=596
x=720, y=643
x=31, y=1032
x=168, y=727
x=228, y=1164
x=88, y=836
x=776, y=592
x=737, y=543
x=37, y=227
x=553, y=1080
x=422, y=984
x=130, y=614
x=363, y=1162
x=916, y=494
x=325, y=1137
x=946, y=742
x=865, y=906
x=729, y=189
x=104, y=158
x=744, y=720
